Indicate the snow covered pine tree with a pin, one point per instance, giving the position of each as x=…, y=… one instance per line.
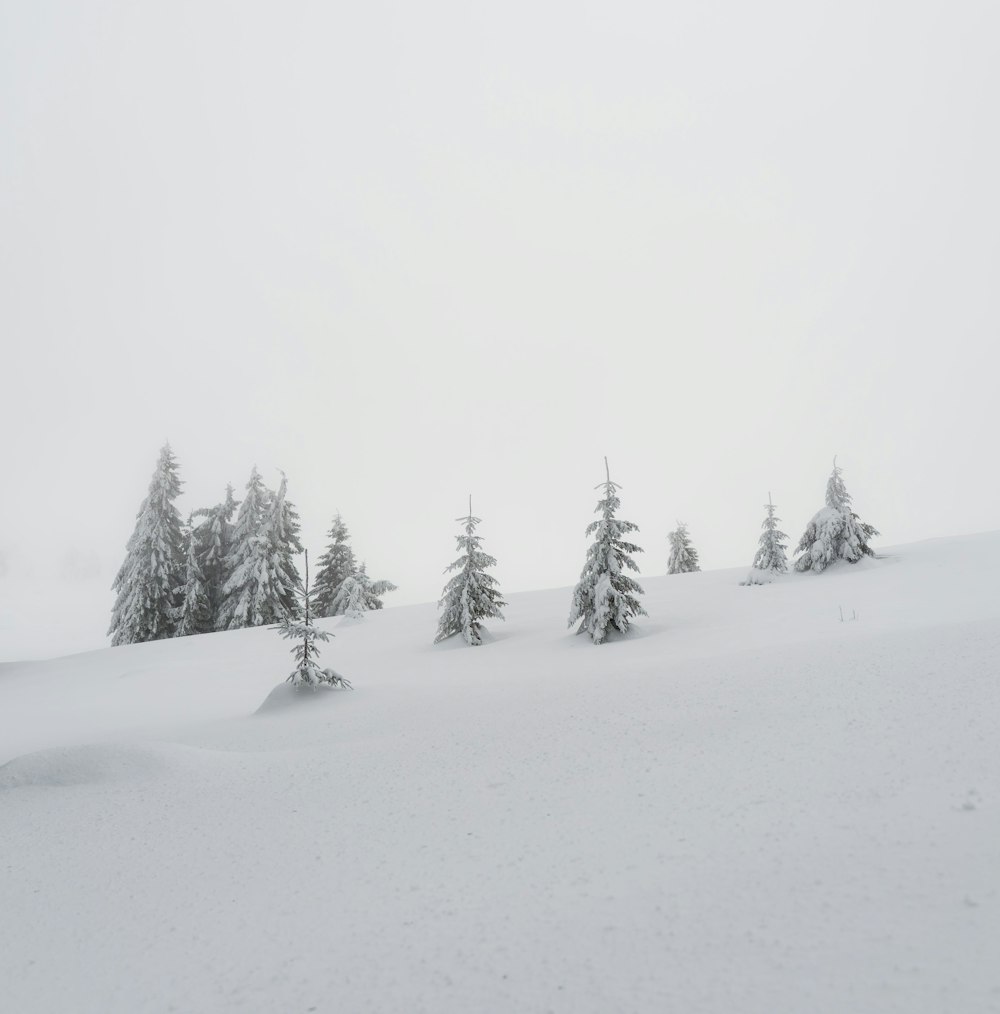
x=283, y=529
x=263, y=579
x=472, y=595
x=195, y=612
x=149, y=581
x=683, y=556
x=835, y=531
x=605, y=596
x=336, y=565
x=239, y=592
x=307, y=672
x=215, y=540
x=359, y=594
x=770, y=558
x=207, y=544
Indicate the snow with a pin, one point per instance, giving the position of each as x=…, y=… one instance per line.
x=744, y=805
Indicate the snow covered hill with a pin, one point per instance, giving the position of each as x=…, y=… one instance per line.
x=748, y=806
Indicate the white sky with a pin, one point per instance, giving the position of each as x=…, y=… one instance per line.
x=408, y=251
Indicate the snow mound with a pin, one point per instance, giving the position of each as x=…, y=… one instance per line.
x=84, y=765
x=285, y=696
x=104, y=763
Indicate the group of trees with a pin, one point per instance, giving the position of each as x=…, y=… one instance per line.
x=343, y=587
x=233, y=565
x=229, y=566
x=606, y=598
x=835, y=532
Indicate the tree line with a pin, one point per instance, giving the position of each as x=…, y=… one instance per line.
x=233, y=565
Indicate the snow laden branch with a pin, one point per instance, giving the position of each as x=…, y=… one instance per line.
x=472, y=595
x=605, y=597
x=359, y=594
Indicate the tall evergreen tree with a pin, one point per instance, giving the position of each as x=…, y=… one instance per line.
x=195, y=611
x=263, y=579
x=208, y=541
x=472, y=595
x=835, y=532
x=284, y=535
x=335, y=566
x=605, y=597
x=307, y=671
x=215, y=538
x=683, y=556
x=148, y=582
x=358, y=594
x=240, y=592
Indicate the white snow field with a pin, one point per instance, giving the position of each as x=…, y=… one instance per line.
x=747, y=806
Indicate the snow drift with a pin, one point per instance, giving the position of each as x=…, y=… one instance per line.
x=745, y=805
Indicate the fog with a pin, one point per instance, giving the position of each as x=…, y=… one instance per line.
x=405, y=252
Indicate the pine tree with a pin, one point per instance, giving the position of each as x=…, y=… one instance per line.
x=284, y=534
x=359, y=594
x=307, y=672
x=263, y=580
x=240, y=592
x=335, y=566
x=472, y=595
x=207, y=544
x=835, y=532
x=683, y=556
x=605, y=596
x=770, y=557
x=195, y=611
x=215, y=539
x=148, y=582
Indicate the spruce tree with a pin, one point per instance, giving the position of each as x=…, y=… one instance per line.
x=335, y=566
x=359, y=594
x=835, y=532
x=240, y=592
x=284, y=538
x=683, y=556
x=770, y=558
x=149, y=580
x=263, y=579
x=605, y=597
x=208, y=542
x=195, y=611
x=472, y=595
x=307, y=672
x=215, y=538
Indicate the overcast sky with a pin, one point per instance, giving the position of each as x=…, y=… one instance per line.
x=409, y=251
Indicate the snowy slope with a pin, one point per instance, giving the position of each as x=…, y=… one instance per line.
x=747, y=806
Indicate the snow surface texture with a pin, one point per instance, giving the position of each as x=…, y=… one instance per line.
x=745, y=806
